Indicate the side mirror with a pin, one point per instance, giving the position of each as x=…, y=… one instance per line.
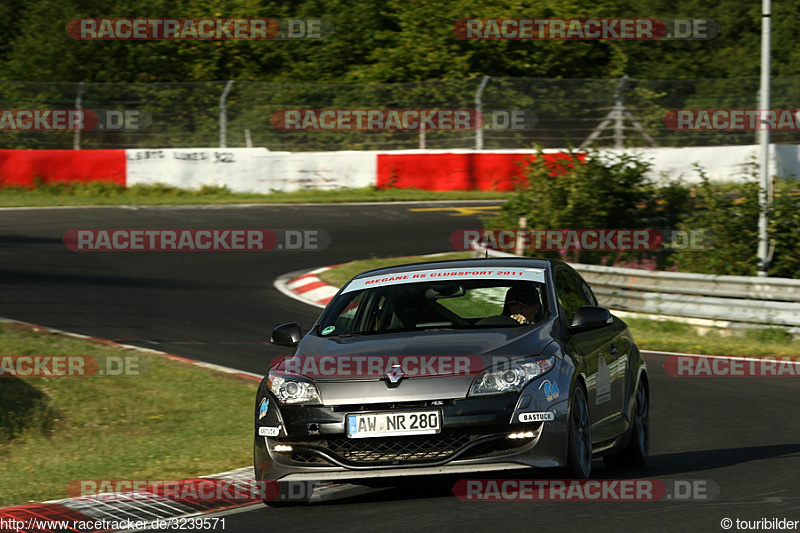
x=286, y=334
x=590, y=317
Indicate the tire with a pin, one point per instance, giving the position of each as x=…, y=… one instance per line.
x=634, y=454
x=579, y=451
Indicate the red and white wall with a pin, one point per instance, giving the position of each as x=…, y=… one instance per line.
x=261, y=171
x=26, y=167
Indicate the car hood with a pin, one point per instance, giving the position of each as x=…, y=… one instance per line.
x=436, y=364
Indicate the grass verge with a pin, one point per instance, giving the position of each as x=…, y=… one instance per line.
x=667, y=335
x=670, y=336
x=101, y=193
x=173, y=422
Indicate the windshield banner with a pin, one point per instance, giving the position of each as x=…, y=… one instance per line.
x=418, y=276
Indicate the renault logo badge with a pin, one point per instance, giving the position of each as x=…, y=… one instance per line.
x=394, y=375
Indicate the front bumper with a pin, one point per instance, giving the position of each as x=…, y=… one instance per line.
x=474, y=437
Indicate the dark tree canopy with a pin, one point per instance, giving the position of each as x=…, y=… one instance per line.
x=387, y=41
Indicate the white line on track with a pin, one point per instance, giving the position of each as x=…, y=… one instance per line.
x=194, y=362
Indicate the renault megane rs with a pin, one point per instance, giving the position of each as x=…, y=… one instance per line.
x=453, y=367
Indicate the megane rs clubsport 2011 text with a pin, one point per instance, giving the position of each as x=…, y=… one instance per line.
x=453, y=367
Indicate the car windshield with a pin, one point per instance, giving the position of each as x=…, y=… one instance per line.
x=437, y=299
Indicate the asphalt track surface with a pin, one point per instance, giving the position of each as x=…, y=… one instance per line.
x=738, y=434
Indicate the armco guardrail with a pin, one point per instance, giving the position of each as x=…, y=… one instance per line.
x=773, y=301
x=781, y=289
x=749, y=300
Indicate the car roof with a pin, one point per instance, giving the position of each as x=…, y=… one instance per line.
x=527, y=262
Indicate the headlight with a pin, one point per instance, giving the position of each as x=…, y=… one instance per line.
x=292, y=390
x=511, y=376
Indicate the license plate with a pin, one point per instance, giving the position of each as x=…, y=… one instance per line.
x=363, y=425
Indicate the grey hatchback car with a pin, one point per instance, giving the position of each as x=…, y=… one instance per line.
x=453, y=367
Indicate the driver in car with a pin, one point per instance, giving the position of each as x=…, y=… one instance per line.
x=522, y=304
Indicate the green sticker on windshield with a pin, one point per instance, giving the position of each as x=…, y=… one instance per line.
x=329, y=329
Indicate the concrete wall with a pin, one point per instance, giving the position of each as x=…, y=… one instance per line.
x=261, y=171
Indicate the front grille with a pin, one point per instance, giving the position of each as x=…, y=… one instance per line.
x=309, y=458
x=404, y=450
x=391, y=406
x=399, y=450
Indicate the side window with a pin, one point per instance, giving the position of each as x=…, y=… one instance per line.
x=360, y=315
x=346, y=321
x=588, y=295
x=568, y=294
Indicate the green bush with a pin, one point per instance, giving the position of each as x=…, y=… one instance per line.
x=785, y=231
x=611, y=191
x=732, y=213
x=733, y=220
x=588, y=190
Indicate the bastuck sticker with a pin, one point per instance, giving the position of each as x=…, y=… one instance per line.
x=537, y=417
x=263, y=408
x=268, y=431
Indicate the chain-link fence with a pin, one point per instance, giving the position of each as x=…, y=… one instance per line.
x=571, y=112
